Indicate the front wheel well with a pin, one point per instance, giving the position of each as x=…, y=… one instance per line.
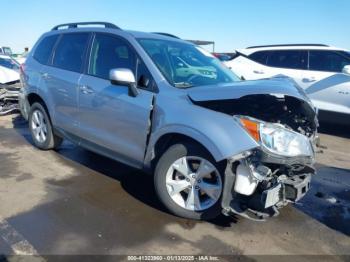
x=167, y=140
x=35, y=98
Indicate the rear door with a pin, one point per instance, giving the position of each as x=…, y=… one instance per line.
x=62, y=79
x=111, y=121
x=35, y=70
x=325, y=83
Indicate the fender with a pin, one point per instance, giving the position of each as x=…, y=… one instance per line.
x=219, y=133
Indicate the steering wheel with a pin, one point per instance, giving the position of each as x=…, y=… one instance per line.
x=192, y=78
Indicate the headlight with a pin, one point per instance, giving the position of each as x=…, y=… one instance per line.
x=278, y=139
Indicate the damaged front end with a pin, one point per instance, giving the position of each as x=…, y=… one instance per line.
x=258, y=184
x=260, y=181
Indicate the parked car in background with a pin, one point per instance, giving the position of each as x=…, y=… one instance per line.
x=5, y=51
x=322, y=71
x=225, y=56
x=21, y=58
x=213, y=144
x=9, y=70
x=9, y=85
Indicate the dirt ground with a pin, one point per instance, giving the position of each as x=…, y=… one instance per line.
x=72, y=201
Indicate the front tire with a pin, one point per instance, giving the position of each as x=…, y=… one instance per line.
x=189, y=182
x=41, y=128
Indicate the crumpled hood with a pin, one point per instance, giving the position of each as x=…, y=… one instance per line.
x=277, y=100
x=8, y=75
x=277, y=86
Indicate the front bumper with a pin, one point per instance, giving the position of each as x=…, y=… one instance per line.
x=289, y=190
x=270, y=194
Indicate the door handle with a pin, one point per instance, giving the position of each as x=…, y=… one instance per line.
x=258, y=71
x=45, y=75
x=309, y=80
x=86, y=90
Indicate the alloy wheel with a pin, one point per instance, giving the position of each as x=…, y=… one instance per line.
x=193, y=183
x=39, y=126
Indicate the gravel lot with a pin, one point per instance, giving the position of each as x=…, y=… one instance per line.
x=76, y=202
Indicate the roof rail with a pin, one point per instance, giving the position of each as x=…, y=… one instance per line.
x=259, y=46
x=166, y=34
x=75, y=25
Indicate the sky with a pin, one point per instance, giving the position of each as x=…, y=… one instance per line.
x=232, y=24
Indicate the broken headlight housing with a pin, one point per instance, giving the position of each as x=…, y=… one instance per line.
x=277, y=139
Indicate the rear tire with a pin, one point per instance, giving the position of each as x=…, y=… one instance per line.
x=200, y=189
x=41, y=128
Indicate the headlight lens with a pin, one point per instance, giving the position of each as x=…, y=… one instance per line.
x=277, y=139
x=283, y=141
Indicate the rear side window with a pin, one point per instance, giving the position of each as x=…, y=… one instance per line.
x=44, y=49
x=294, y=59
x=259, y=57
x=109, y=52
x=327, y=61
x=70, y=51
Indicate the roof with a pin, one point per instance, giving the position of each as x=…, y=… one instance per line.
x=166, y=34
x=254, y=49
x=78, y=24
x=201, y=42
x=250, y=47
x=160, y=36
x=108, y=27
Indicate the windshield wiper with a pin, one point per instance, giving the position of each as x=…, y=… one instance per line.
x=183, y=85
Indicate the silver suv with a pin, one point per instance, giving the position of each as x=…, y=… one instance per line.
x=214, y=144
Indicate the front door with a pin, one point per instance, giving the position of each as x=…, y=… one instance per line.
x=111, y=121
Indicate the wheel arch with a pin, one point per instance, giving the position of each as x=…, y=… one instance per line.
x=35, y=98
x=160, y=143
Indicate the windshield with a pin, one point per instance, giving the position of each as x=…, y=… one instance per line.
x=7, y=51
x=185, y=65
x=9, y=63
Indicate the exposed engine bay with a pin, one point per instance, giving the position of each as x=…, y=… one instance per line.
x=286, y=110
x=260, y=181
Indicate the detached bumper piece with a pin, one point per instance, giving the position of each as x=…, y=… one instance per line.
x=267, y=199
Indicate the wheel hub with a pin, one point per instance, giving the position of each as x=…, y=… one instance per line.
x=39, y=126
x=193, y=183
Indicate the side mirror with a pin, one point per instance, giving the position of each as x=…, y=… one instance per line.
x=124, y=77
x=346, y=69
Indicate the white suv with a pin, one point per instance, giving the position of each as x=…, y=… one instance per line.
x=322, y=71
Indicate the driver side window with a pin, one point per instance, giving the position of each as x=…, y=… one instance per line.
x=109, y=52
